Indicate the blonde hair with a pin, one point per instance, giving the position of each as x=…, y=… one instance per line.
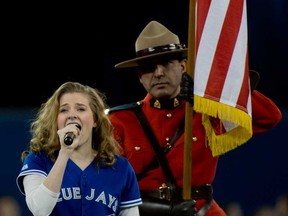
x=44, y=127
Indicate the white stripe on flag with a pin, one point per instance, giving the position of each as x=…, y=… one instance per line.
x=208, y=44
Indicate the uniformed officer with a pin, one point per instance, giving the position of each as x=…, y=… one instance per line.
x=161, y=65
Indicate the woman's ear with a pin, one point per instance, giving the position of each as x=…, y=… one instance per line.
x=95, y=124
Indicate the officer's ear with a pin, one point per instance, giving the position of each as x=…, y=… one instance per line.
x=183, y=63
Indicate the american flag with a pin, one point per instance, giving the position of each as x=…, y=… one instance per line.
x=221, y=90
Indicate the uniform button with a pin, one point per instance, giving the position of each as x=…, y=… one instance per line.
x=137, y=148
x=167, y=139
x=194, y=139
x=168, y=115
x=168, y=145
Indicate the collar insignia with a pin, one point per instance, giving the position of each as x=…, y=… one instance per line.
x=165, y=104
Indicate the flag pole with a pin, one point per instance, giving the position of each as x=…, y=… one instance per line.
x=187, y=169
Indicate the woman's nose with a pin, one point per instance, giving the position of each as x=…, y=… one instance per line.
x=72, y=117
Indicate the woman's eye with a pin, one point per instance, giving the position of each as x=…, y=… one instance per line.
x=81, y=109
x=62, y=110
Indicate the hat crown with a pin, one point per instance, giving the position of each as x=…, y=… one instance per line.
x=154, y=35
x=154, y=41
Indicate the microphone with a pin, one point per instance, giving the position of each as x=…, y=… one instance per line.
x=69, y=136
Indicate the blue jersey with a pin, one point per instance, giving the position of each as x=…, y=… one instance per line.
x=94, y=191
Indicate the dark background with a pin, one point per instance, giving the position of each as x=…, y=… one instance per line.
x=44, y=45
x=47, y=44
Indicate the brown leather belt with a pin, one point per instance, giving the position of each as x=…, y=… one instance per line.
x=197, y=192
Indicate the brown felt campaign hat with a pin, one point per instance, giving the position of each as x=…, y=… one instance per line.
x=155, y=40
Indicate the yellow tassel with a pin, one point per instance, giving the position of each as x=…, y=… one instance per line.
x=236, y=136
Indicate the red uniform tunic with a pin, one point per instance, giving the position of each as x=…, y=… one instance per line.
x=164, y=123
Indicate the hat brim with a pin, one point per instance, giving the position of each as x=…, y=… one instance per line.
x=134, y=62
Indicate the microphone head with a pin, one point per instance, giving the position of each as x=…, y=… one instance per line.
x=68, y=140
x=69, y=137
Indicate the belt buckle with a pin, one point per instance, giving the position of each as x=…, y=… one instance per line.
x=165, y=192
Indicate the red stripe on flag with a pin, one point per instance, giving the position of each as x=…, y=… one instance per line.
x=244, y=93
x=225, y=49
